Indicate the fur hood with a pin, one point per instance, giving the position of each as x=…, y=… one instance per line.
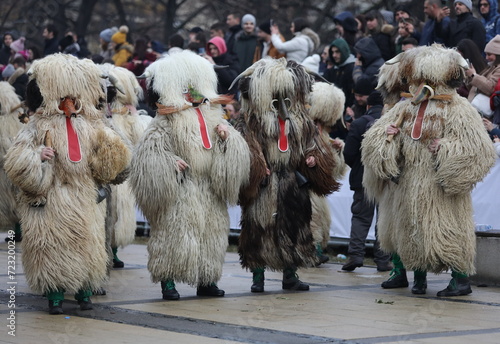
x=313, y=36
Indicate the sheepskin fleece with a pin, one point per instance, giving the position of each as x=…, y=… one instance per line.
x=276, y=212
x=125, y=120
x=9, y=127
x=64, y=241
x=326, y=106
x=187, y=210
x=426, y=217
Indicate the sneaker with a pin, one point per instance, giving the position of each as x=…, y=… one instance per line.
x=211, y=290
x=397, y=279
x=168, y=290
x=352, y=264
x=456, y=287
x=55, y=307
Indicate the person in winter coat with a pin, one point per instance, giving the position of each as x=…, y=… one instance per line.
x=305, y=42
x=362, y=209
x=489, y=17
x=123, y=49
x=380, y=32
x=265, y=47
x=465, y=25
x=217, y=54
x=233, y=22
x=246, y=42
x=341, y=72
x=368, y=60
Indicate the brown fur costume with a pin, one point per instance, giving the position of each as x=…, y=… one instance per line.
x=10, y=109
x=276, y=212
x=326, y=107
x=425, y=208
x=187, y=210
x=63, y=226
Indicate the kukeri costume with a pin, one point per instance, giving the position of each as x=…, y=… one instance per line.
x=63, y=225
x=124, y=93
x=326, y=108
x=422, y=179
x=187, y=167
x=288, y=160
x=10, y=110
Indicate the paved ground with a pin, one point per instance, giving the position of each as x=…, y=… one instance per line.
x=340, y=308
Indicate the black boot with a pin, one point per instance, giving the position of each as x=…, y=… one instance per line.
x=458, y=286
x=419, y=282
x=321, y=257
x=168, y=290
x=83, y=298
x=396, y=280
x=258, y=281
x=55, y=302
x=117, y=263
x=211, y=290
x=291, y=280
x=55, y=307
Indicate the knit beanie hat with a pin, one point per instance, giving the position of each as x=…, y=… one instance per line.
x=219, y=43
x=8, y=71
x=363, y=86
x=107, y=33
x=375, y=98
x=18, y=44
x=66, y=41
x=121, y=36
x=266, y=27
x=493, y=46
x=248, y=18
x=467, y=3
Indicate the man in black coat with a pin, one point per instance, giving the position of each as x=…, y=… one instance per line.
x=465, y=25
x=362, y=210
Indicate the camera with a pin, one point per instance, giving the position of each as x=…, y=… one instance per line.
x=444, y=3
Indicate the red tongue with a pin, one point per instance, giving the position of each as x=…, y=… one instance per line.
x=74, y=152
x=283, y=140
x=205, y=138
x=416, y=131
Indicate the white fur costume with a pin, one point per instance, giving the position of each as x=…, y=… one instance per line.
x=10, y=109
x=187, y=210
x=425, y=208
x=130, y=124
x=63, y=226
x=326, y=107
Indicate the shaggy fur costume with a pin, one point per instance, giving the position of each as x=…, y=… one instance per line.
x=10, y=109
x=127, y=122
x=63, y=237
x=326, y=107
x=425, y=208
x=276, y=211
x=187, y=210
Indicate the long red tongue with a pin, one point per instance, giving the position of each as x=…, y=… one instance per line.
x=74, y=151
x=416, y=131
x=205, y=138
x=283, y=140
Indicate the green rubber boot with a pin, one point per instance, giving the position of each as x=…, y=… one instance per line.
x=321, y=257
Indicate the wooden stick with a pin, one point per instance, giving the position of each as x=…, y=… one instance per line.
x=48, y=139
x=398, y=123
